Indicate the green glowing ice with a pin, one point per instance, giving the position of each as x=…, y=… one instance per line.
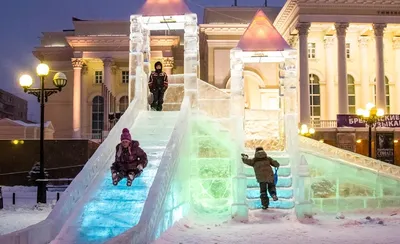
x=211, y=173
x=338, y=186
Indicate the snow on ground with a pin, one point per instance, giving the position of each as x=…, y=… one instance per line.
x=269, y=226
x=273, y=226
x=25, y=212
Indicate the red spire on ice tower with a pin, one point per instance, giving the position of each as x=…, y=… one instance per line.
x=261, y=35
x=164, y=8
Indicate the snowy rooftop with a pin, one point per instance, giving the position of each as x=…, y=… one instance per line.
x=7, y=121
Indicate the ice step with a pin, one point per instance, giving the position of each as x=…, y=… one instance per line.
x=281, y=204
x=282, y=182
x=254, y=193
x=282, y=172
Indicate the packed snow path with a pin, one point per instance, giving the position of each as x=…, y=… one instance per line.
x=110, y=210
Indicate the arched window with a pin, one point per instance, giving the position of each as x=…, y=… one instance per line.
x=387, y=94
x=97, y=116
x=123, y=103
x=351, y=89
x=315, y=97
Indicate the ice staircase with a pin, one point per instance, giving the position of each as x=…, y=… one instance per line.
x=106, y=210
x=284, y=187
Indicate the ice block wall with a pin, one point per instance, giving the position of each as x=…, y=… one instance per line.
x=211, y=152
x=191, y=57
x=341, y=180
x=137, y=48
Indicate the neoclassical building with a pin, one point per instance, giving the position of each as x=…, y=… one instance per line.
x=349, y=55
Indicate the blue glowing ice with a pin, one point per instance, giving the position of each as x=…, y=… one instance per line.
x=110, y=210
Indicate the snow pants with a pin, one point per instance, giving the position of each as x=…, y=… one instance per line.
x=264, y=186
x=158, y=99
x=123, y=170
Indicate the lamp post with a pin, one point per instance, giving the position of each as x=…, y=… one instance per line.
x=42, y=94
x=305, y=131
x=370, y=115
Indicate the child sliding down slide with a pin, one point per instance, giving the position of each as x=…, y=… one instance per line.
x=130, y=160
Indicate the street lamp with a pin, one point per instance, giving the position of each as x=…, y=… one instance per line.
x=42, y=94
x=370, y=115
x=305, y=131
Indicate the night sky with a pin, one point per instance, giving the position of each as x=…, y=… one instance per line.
x=22, y=22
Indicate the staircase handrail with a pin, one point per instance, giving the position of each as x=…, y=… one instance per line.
x=324, y=150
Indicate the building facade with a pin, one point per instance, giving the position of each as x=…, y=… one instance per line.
x=13, y=107
x=349, y=55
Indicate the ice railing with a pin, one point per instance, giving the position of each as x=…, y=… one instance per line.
x=335, y=185
x=166, y=202
x=325, y=150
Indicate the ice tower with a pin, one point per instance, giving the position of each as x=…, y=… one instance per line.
x=163, y=15
x=261, y=43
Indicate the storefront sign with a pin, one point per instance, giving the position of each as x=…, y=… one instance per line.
x=351, y=120
x=385, y=147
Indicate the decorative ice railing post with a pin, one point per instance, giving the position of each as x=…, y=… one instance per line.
x=302, y=194
x=288, y=71
x=239, y=206
x=135, y=53
x=191, y=56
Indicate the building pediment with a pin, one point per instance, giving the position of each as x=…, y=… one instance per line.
x=97, y=41
x=356, y=11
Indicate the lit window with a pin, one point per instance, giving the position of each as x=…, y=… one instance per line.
x=351, y=87
x=348, y=50
x=315, y=98
x=97, y=116
x=125, y=77
x=98, y=77
x=387, y=94
x=123, y=103
x=311, y=50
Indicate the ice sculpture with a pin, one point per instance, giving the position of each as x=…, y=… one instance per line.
x=261, y=42
x=341, y=180
x=239, y=206
x=139, y=50
x=191, y=58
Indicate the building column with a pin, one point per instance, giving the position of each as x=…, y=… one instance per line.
x=168, y=64
x=396, y=47
x=84, y=102
x=380, y=71
x=364, y=72
x=343, y=97
x=77, y=96
x=304, y=87
x=330, y=78
x=107, y=63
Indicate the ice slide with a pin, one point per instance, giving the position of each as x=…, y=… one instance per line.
x=92, y=210
x=106, y=210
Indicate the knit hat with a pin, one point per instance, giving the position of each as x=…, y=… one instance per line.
x=126, y=135
x=259, y=149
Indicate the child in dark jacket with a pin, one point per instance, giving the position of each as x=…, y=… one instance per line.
x=264, y=174
x=130, y=159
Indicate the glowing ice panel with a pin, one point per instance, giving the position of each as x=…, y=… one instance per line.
x=338, y=184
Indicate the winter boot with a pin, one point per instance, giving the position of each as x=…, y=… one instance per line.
x=130, y=178
x=274, y=197
x=115, y=178
x=264, y=200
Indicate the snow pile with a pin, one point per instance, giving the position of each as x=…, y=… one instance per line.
x=282, y=227
x=16, y=218
x=25, y=212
